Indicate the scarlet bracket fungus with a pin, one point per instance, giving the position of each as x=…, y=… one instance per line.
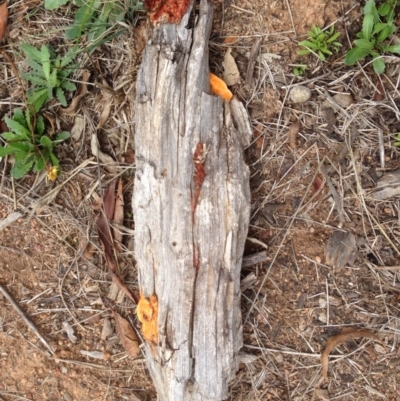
x=163, y=11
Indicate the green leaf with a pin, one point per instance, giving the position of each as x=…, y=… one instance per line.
x=40, y=163
x=49, y=92
x=19, y=117
x=82, y=17
x=364, y=44
x=54, y=4
x=384, y=9
x=69, y=56
x=45, y=60
x=333, y=37
x=35, y=79
x=393, y=49
x=38, y=99
x=38, y=70
x=68, y=85
x=72, y=32
x=385, y=33
x=106, y=39
x=303, y=52
x=370, y=8
x=21, y=167
x=11, y=136
x=321, y=56
x=62, y=136
x=378, y=27
x=355, y=54
x=40, y=125
x=52, y=81
x=61, y=97
x=20, y=156
x=31, y=52
x=379, y=65
x=16, y=127
x=307, y=43
x=28, y=119
x=6, y=151
x=46, y=142
x=22, y=146
x=54, y=159
x=368, y=25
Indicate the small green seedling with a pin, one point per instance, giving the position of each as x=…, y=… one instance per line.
x=378, y=27
x=299, y=70
x=321, y=43
x=30, y=147
x=397, y=143
x=48, y=75
x=98, y=20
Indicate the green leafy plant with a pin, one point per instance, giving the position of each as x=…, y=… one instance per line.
x=299, y=70
x=48, y=74
x=321, y=43
x=27, y=143
x=378, y=27
x=96, y=19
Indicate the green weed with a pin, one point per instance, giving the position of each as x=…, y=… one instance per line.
x=321, y=43
x=378, y=27
x=96, y=19
x=31, y=148
x=299, y=70
x=48, y=75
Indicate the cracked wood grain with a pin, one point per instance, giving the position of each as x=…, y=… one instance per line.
x=191, y=206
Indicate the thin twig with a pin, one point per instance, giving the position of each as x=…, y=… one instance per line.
x=27, y=321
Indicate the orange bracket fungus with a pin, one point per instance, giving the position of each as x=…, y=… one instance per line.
x=147, y=312
x=218, y=87
x=164, y=11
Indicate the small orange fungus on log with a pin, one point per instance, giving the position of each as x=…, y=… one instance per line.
x=218, y=87
x=164, y=11
x=147, y=312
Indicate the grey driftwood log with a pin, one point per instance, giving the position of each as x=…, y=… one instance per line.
x=189, y=249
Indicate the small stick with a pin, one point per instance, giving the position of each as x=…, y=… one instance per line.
x=27, y=321
x=252, y=60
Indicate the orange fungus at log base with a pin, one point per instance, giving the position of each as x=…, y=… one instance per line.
x=163, y=11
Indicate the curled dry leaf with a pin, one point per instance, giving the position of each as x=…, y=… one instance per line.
x=127, y=335
x=230, y=39
x=3, y=20
x=103, y=157
x=77, y=128
x=107, y=101
x=347, y=334
x=231, y=71
x=258, y=135
x=82, y=90
x=292, y=134
x=118, y=217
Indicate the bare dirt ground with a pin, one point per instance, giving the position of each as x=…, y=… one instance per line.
x=307, y=184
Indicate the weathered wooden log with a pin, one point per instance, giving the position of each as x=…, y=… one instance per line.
x=191, y=207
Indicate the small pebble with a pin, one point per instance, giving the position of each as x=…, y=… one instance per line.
x=318, y=259
x=300, y=94
x=322, y=302
x=322, y=317
x=344, y=99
